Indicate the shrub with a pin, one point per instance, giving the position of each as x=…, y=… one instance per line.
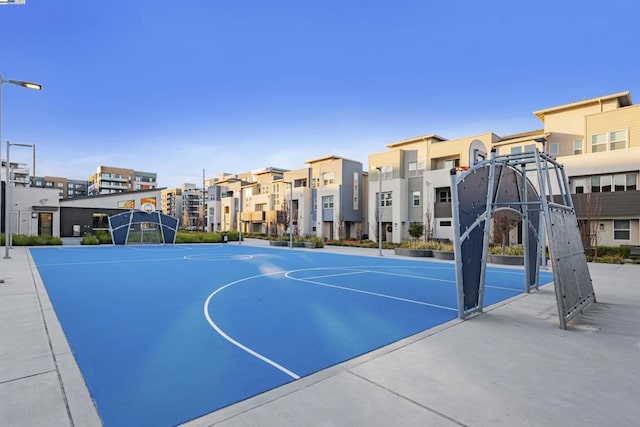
x=104, y=237
x=90, y=239
x=24, y=240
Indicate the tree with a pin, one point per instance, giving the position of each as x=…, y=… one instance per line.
x=428, y=224
x=592, y=213
x=416, y=230
x=504, y=221
x=282, y=216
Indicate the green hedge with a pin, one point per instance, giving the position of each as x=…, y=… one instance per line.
x=24, y=240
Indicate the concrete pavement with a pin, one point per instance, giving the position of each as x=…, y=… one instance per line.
x=509, y=366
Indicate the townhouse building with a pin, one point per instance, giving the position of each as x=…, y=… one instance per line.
x=223, y=204
x=325, y=199
x=260, y=200
x=597, y=140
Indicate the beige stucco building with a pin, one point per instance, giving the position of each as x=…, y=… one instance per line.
x=597, y=140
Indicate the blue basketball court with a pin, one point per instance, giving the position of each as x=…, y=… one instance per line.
x=165, y=334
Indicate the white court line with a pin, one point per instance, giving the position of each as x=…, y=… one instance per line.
x=122, y=261
x=236, y=343
x=369, y=293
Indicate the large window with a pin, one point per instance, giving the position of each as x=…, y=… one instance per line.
x=618, y=140
x=100, y=221
x=415, y=198
x=554, y=148
x=621, y=229
x=328, y=178
x=386, y=199
x=615, y=140
x=516, y=150
x=444, y=195
x=608, y=183
x=327, y=202
x=416, y=169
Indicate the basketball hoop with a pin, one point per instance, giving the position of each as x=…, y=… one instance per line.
x=148, y=208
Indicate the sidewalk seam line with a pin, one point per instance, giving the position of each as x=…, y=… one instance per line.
x=434, y=411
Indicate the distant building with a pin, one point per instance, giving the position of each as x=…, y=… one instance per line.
x=108, y=180
x=67, y=188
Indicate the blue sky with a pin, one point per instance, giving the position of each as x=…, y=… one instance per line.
x=175, y=87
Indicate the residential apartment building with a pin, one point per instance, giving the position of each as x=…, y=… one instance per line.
x=171, y=202
x=67, y=188
x=597, y=140
x=192, y=204
x=20, y=173
x=108, y=180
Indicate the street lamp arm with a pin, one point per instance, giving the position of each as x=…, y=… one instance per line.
x=28, y=85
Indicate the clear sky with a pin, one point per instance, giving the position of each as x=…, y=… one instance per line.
x=178, y=86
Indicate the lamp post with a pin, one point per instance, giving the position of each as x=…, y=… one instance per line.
x=8, y=198
x=7, y=221
x=290, y=212
x=379, y=169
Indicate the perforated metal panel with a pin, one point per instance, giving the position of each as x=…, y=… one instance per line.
x=504, y=182
x=574, y=289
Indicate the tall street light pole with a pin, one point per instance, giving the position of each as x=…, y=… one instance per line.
x=379, y=169
x=28, y=85
x=8, y=198
x=290, y=212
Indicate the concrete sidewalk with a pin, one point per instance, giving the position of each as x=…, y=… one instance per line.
x=509, y=366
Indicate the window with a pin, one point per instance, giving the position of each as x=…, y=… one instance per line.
x=386, y=199
x=445, y=223
x=328, y=178
x=100, y=221
x=416, y=169
x=619, y=182
x=315, y=182
x=516, y=150
x=444, y=195
x=618, y=140
x=621, y=229
x=632, y=181
x=595, y=184
x=605, y=184
x=577, y=147
x=578, y=185
x=598, y=142
x=387, y=172
x=451, y=163
x=529, y=148
x=327, y=202
x=554, y=148
x=416, y=198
